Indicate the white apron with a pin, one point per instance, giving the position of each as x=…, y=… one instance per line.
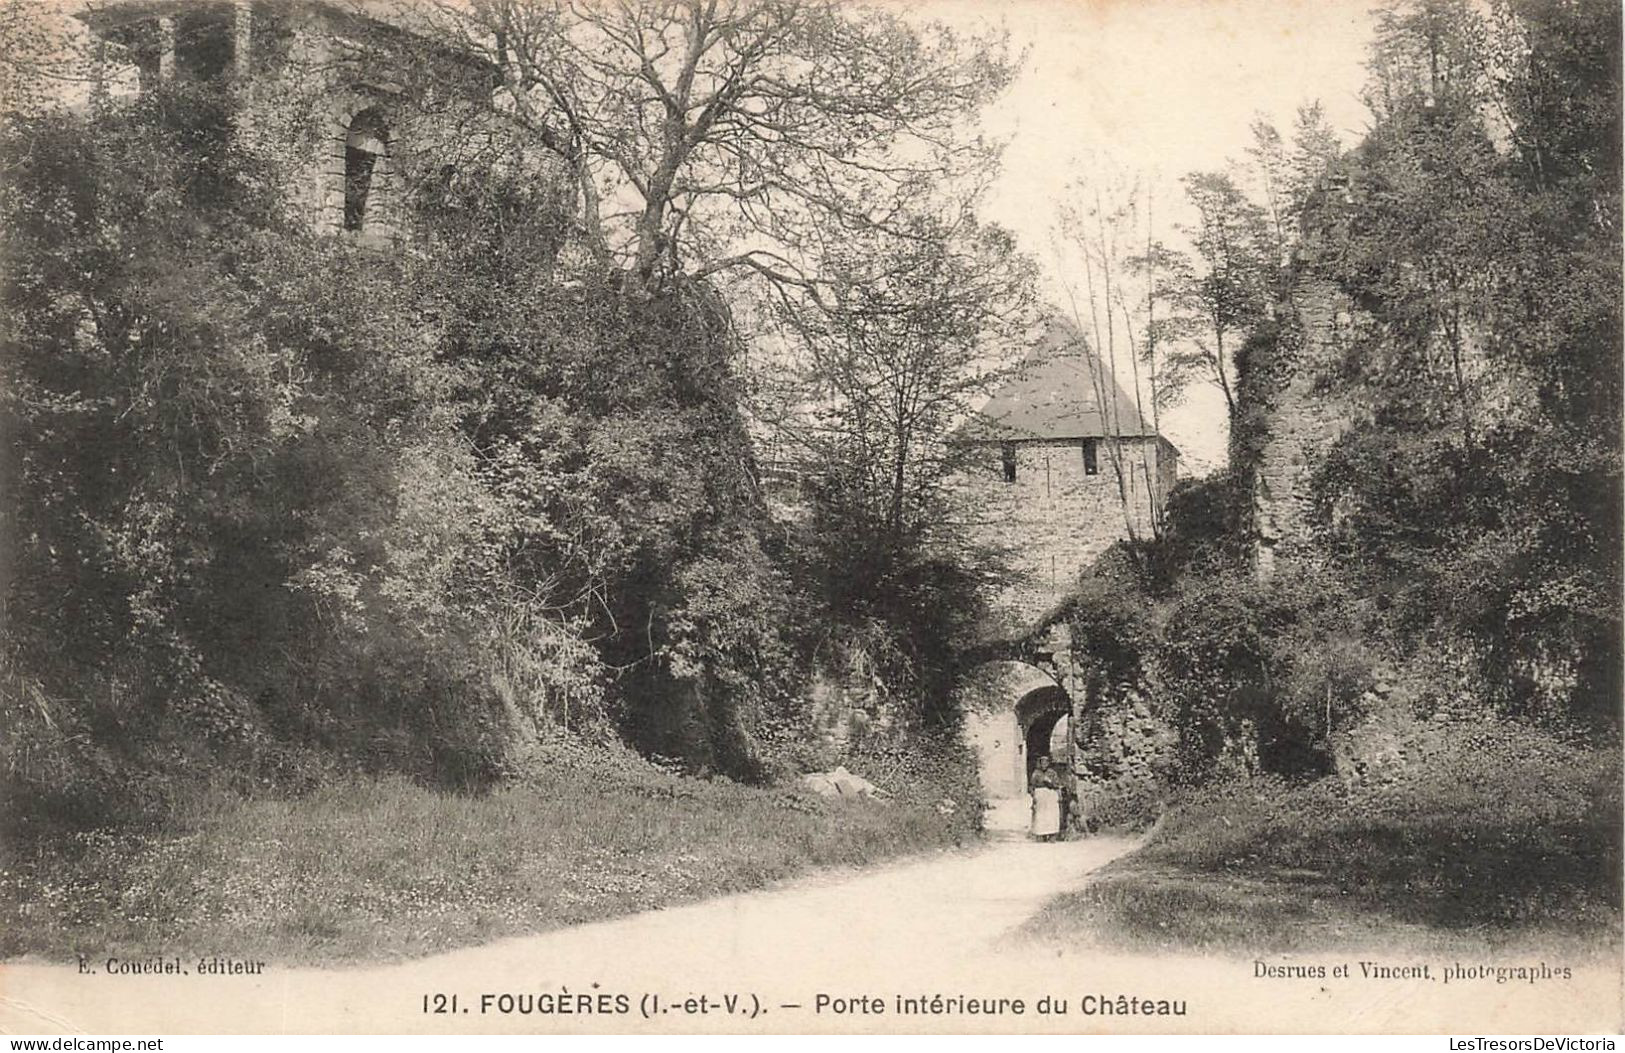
x=1046, y=811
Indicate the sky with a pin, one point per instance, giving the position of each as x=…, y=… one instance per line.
x=1156, y=88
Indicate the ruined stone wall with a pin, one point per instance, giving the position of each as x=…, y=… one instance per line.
x=309, y=79
x=1122, y=738
x=847, y=704
x=1290, y=420
x=1121, y=777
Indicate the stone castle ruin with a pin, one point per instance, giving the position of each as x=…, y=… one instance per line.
x=1046, y=489
x=323, y=82
x=1062, y=465
x=1298, y=419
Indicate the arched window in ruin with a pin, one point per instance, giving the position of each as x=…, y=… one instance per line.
x=366, y=151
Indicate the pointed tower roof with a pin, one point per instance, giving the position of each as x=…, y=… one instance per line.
x=1061, y=390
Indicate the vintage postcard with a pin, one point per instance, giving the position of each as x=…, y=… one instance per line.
x=810, y=516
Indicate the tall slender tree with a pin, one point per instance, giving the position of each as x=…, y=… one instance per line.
x=1219, y=294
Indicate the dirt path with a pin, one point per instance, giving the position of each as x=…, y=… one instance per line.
x=939, y=925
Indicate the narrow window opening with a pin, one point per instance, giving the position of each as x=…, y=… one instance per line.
x=1091, y=457
x=1009, y=452
x=363, y=146
x=141, y=44
x=447, y=185
x=358, y=166
x=148, y=66
x=205, y=42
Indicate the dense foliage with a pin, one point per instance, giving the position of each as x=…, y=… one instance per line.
x=282, y=503
x=1465, y=534
x=905, y=342
x=285, y=505
x=224, y=447
x=1479, y=495
x=1502, y=836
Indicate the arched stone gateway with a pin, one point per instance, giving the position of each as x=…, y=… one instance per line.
x=1044, y=718
x=1015, y=713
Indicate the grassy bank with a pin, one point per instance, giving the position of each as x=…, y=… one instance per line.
x=1503, y=838
x=382, y=868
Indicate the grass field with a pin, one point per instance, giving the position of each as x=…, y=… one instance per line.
x=385, y=868
x=1501, y=840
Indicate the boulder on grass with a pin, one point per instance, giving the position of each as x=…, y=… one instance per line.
x=840, y=783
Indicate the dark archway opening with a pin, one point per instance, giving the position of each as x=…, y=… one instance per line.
x=1040, y=735
x=1038, y=714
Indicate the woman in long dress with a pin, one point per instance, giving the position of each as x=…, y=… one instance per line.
x=1046, y=790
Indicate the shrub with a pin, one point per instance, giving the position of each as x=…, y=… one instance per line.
x=930, y=771
x=280, y=493
x=1122, y=805
x=1486, y=822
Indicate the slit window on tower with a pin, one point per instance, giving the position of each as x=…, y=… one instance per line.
x=1008, y=450
x=1091, y=457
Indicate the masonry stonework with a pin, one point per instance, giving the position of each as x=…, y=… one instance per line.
x=1037, y=502
x=322, y=84
x=1296, y=420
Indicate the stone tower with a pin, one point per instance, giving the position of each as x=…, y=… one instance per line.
x=1061, y=464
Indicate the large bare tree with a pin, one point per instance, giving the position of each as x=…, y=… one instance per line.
x=708, y=135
